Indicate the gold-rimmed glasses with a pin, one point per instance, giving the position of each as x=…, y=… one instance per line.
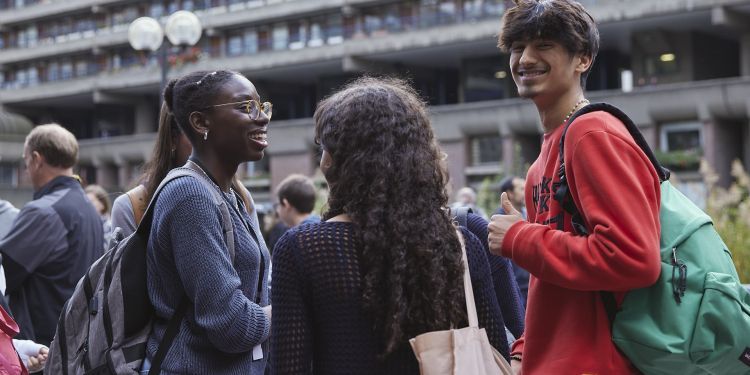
x=252, y=107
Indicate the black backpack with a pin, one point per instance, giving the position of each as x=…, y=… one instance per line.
x=105, y=325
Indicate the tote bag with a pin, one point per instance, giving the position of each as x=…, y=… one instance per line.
x=459, y=351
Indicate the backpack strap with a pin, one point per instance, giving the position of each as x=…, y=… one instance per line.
x=166, y=342
x=461, y=215
x=137, y=196
x=563, y=196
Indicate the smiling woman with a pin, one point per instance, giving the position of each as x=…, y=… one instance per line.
x=227, y=320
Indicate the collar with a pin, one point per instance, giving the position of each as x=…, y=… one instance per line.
x=57, y=183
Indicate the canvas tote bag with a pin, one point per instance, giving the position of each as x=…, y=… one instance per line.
x=459, y=351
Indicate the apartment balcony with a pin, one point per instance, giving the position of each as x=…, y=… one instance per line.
x=48, y=10
x=284, y=65
x=648, y=107
x=256, y=12
x=220, y=17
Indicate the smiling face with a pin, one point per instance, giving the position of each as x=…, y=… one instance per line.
x=543, y=68
x=231, y=130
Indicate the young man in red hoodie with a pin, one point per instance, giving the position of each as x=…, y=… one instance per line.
x=552, y=45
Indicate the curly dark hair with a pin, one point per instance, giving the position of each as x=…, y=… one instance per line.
x=387, y=174
x=564, y=21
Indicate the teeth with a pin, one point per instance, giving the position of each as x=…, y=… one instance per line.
x=531, y=73
x=259, y=136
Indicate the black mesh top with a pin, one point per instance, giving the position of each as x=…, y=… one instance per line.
x=319, y=325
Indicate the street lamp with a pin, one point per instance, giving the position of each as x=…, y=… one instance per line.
x=183, y=29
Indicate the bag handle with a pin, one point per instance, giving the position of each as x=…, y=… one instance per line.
x=471, y=307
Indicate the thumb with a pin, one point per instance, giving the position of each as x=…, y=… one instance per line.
x=507, y=206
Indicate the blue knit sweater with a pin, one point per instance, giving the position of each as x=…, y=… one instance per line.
x=188, y=256
x=319, y=325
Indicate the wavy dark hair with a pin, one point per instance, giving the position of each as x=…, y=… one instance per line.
x=387, y=174
x=564, y=21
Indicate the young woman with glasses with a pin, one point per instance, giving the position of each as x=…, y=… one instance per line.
x=228, y=319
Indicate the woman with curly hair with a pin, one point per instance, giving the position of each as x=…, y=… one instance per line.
x=386, y=264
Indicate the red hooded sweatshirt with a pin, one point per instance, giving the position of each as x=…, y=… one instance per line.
x=616, y=188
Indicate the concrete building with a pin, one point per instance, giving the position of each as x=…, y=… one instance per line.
x=680, y=68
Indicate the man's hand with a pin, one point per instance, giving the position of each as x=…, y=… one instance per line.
x=499, y=224
x=32, y=354
x=36, y=362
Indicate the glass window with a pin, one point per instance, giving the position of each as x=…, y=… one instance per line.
x=373, y=24
x=234, y=45
x=53, y=71
x=22, y=78
x=428, y=13
x=66, y=70
x=8, y=174
x=493, y=8
x=486, y=149
x=156, y=10
x=81, y=68
x=486, y=79
x=316, y=34
x=391, y=18
x=173, y=6
x=334, y=29
x=251, y=41
x=681, y=146
x=448, y=11
x=264, y=38
x=661, y=64
x=297, y=34
x=31, y=35
x=280, y=37
x=33, y=76
x=681, y=137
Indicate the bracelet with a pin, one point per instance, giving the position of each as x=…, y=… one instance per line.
x=515, y=358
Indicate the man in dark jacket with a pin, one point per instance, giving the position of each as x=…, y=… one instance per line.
x=55, y=237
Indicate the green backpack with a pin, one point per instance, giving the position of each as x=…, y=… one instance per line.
x=696, y=318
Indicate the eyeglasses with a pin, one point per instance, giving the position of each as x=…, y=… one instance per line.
x=251, y=107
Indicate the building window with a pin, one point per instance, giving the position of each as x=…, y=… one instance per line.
x=661, y=64
x=334, y=29
x=681, y=145
x=8, y=175
x=251, y=42
x=297, y=34
x=486, y=150
x=234, y=45
x=280, y=37
x=66, y=70
x=486, y=79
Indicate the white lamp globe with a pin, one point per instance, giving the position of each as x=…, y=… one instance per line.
x=145, y=33
x=183, y=28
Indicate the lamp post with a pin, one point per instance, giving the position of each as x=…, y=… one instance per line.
x=183, y=29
